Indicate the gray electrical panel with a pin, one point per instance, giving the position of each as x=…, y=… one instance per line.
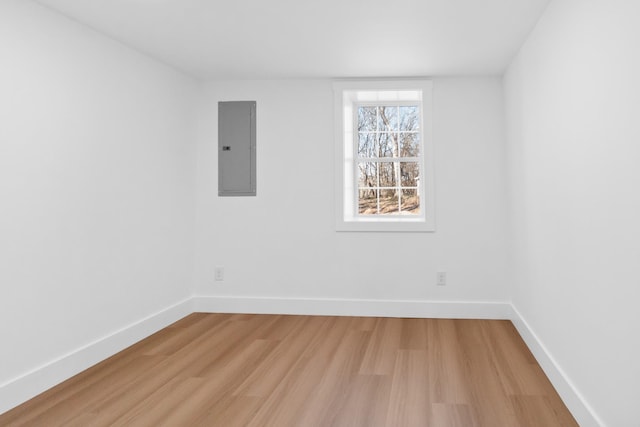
x=237, y=148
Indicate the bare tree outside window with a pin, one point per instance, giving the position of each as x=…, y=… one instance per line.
x=388, y=159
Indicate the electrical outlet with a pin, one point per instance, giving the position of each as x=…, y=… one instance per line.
x=441, y=278
x=219, y=274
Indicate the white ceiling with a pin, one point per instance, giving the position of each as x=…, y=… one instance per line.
x=319, y=38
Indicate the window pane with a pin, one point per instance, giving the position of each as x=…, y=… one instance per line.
x=387, y=144
x=409, y=118
x=388, y=174
x=387, y=118
x=410, y=202
x=409, y=174
x=389, y=203
x=367, y=174
x=409, y=144
x=367, y=145
x=367, y=202
x=367, y=119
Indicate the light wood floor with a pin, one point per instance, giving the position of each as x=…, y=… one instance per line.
x=260, y=370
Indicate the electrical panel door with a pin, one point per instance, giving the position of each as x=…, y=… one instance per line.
x=237, y=148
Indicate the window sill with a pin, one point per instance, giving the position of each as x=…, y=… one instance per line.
x=380, y=225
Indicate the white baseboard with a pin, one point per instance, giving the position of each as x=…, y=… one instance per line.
x=572, y=398
x=29, y=385
x=354, y=307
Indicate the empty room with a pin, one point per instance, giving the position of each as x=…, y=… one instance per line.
x=336, y=213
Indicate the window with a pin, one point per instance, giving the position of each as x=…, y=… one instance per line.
x=383, y=156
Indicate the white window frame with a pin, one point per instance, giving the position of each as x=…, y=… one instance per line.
x=348, y=95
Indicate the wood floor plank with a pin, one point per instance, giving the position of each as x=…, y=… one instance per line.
x=380, y=357
x=365, y=403
x=414, y=334
x=409, y=403
x=333, y=387
x=274, y=370
x=485, y=380
x=234, y=411
x=266, y=376
x=537, y=411
x=451, y=415
x=300, y=386
x=446, y=364
x=154, y=408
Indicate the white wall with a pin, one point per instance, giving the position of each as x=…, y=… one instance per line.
x=283, y=243
x=97, y=182
x=572, y=102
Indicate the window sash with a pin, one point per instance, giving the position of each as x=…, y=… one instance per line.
x=396, y=159
x=388, y=159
